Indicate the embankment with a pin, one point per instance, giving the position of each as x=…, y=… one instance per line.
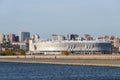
x=91, y=60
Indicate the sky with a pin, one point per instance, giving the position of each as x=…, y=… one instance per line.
x=46, y=17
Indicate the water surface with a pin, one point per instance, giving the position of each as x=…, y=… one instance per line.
x=24, y=71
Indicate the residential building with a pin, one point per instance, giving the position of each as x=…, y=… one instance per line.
x=2, y=38
x=7, y=38
x=88, y=37
x=116, y=42
x=13, y=38
x=56, y=37
x=22, y=45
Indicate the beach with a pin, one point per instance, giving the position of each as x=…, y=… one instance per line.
x=112, y=60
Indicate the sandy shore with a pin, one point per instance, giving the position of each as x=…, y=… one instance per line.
x=90, y=60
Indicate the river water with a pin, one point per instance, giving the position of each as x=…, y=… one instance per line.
x=24, y=71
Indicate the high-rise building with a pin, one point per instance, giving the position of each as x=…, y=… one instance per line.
x=16, y=38
x=7, y=38
x=72, y=36
x=2, y=38
x=13, y=38
x=23, y=36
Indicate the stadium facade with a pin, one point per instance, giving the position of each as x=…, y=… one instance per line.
x=74, y=47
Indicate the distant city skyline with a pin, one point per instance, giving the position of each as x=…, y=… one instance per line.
x=46, y=17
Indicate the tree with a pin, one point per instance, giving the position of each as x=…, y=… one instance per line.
x=22, y=52
x=65, y=52
x=9, y=52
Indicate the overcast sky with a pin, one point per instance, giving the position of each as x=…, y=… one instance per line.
x=46, y=17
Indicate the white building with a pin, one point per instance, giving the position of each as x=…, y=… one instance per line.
x=56, y=47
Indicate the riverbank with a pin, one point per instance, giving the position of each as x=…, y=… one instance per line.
x=88, y=60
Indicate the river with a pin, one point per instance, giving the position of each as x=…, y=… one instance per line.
x=25, y=71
